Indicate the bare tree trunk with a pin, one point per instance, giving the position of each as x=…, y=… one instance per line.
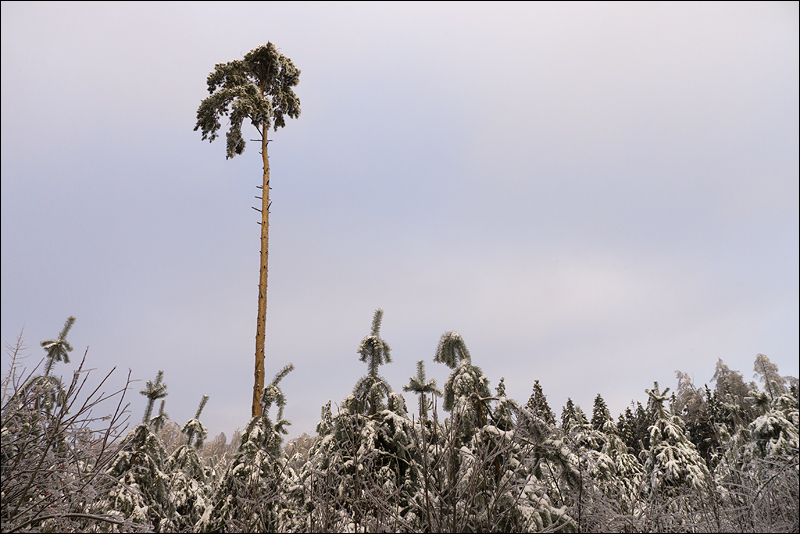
x=261, y=323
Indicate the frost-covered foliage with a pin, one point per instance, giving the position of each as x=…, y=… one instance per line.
x=623, y=486
x=676, y=476
x=372, y=390
x=143, y=494
x=467, y=388
x=155, y=390
x=500, y=484
x=189, y=486
x=491, y=465
x=600, y=413
x=572, y=417
x=257, y=87
x=58, y=349
x=420, y=385
x=757, y=475
x=672, y=463
x=53, y=464
x=361, y=471
x=249, y=496
x=54, y=451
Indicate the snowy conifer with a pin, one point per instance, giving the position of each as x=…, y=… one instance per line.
x=677, y=477
x=250, y=495
x=497, y=488
x=757, y=475
x=506, y=410
x=623, y=489
x=633, y=428
x=467, y=388
x=767, y=372
x=422, y=386
x=144, y=492
x=572, y=416
x=58, y=349
x=161, y=419
x=190, y=486
x=155, y=390
x=361, y=473
x=259, y=88
x=731, y=393
x=600, y=413
x=372, y=389
x=771, y=435
x=590, y=477
x=537, y=404
x=692, y=405
x=194, y=429
x=49, y=390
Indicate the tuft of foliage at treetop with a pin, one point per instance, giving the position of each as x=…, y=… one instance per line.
x=257, y=87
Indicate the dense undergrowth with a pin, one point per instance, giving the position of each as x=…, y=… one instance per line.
x=470, y=459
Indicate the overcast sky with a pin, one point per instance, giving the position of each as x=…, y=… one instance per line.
x=593, y=195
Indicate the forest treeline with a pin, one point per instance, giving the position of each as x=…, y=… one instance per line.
x=466, y=458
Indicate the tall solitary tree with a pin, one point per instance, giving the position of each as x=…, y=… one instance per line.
x=259, y=88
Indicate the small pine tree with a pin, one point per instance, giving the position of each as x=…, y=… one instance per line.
x=732, y=395
x=160, y=420
x=141, y=467
x=467, y=388
x=58, y=349
x=155, y=390
x=373, y=388
x=144, y=495
x=620, y=482
x=189, y=485
x=49, y=391
x=421, y=386
x=363, y=462
x=672, y=462
x=600, y=413
x=194, y=429
x=250, y=493
x=506, y=410
x=771, y=436
x=767, y=372
x=572, y=416
x=361, y=466
x=537, y=419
